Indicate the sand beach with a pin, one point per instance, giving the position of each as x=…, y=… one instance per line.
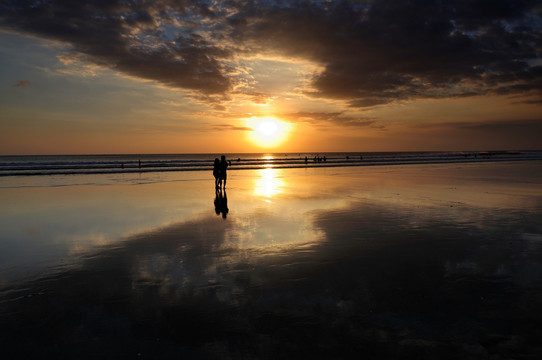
x=437, y=261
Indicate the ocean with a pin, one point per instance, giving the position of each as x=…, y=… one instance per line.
x=135, y=163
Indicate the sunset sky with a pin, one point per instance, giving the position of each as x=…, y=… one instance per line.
x=181, y=76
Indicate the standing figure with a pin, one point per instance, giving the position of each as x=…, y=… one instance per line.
x=223, y=170
x=216, y=173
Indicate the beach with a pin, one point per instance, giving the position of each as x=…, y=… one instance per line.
x=418, y=261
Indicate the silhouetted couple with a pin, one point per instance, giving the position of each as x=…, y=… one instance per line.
x=220, y=172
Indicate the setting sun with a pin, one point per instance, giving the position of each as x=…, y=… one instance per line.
x=268, y=131
x=267, y=128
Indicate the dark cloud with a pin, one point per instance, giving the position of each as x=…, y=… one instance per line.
x=313, y=116
x=335, y=118
x=533, y=102
x=504, y=126
x=22, y=83
x=258, y=97
x=522, y=134
x=376, y=52
x=126, y=36
x=233, y=127
x=372, y=52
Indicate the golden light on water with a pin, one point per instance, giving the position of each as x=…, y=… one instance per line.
x=268, y=184
x=268, y=131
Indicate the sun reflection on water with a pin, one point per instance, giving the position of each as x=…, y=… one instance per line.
x=268, y=161
x=268, y=184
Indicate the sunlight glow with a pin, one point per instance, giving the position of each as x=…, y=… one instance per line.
x=267, y=128
x=268, y=131
x=268, y=161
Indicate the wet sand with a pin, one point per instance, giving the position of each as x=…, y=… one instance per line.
x=402, y=262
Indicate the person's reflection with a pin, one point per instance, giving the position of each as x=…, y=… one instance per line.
x=221, y=202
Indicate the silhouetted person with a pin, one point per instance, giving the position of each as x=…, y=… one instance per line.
x=216, y=173
x=223, y=170
x=306, y=159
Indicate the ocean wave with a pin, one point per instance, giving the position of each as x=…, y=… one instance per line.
x=111, y=164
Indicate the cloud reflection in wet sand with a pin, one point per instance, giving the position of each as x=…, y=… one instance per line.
x=378, y=278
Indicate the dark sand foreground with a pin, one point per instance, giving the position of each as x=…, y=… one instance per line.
x=414, y=262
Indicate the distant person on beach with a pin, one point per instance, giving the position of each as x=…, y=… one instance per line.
x=223, y=166
x=216, y=173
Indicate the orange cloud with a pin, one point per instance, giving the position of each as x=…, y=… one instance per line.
x=22, y=83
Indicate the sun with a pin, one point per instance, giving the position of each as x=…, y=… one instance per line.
x=267, y=128
x=268, y=131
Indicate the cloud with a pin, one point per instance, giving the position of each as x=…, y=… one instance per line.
x=257, y=97
x=371, y=52
x=335, y=118
x=133, y=39
x=376, y=52
x=531, y=102
x=233, y=127
x=504, y=126
x=510, y=133
x=21, y=83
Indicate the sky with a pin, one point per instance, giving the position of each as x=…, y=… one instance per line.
x=182, y=76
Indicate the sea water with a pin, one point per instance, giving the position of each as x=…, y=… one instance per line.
x=134, y=163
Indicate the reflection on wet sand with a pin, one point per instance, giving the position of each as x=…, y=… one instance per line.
x=268, y=183
x=221, y=202
x=376, y=279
